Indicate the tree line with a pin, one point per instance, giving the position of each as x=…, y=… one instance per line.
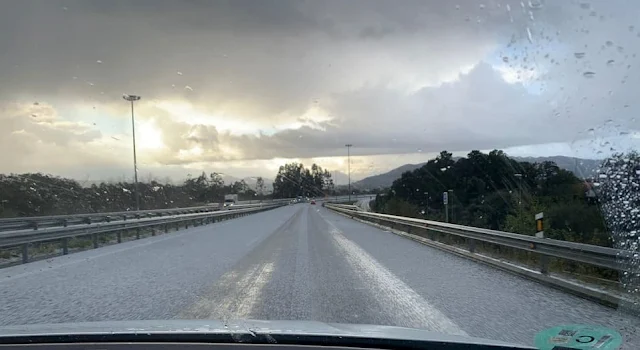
x=496, y=192
x=36, y=194
x=293, y=180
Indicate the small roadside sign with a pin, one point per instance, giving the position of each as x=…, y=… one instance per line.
x=445, y=198
x=539, y=225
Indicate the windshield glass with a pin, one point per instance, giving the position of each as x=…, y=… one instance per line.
x=474, y=163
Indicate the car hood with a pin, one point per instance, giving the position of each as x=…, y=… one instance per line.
x=237, y=330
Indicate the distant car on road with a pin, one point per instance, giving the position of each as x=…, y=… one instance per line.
x=313, y=201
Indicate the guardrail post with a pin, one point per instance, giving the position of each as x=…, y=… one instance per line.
x=137, y=232
x=153, y=231
x=25, y=253
x=95, y=240
x=544, y=264
x=65, y=246
x=166, y=228
x=472, y=245
x=119, y=236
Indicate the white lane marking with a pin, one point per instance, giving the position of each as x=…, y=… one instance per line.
x=238, y=295
x=397, y=298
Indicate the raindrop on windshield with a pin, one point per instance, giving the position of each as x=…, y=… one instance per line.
x=99, y=61
x=579, y=54
x=187, y=87
x=611, y=63
x=589, y=74
x=529, y=36
x=535, y=4
x=179, y=73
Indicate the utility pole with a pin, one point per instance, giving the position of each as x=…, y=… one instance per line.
x=348, y=145
x=132, y=98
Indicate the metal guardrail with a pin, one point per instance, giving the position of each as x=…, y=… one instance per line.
x=24, y=237
x=38, y=222
x=584, y=253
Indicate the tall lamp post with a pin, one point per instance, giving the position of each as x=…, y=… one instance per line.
x=348, y=145
x=133, y=98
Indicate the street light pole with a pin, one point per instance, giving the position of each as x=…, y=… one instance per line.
x=132, y=98
x=348, y=145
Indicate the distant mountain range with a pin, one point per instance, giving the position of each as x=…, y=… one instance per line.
x=582, y=168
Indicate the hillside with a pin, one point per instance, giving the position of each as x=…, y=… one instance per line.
x=582, y=168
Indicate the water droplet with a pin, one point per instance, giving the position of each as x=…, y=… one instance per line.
x=585, y=6
x=508, y=8
x=179, y=73
x=419, y=150
x=457, y=7
x=535, y=4
x=579, y=54
x=64, y=8
x=609, y=43
x=482, y=6
x=529, y=36
x=505, y=59
x=187, y=87
x=99, y=62
x=610, y=63
x=589, y=74
x=173, y=86
x=631, y=28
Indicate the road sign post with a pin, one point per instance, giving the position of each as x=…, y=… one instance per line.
x=445, y=200
x=539, y=225
x=544, y=260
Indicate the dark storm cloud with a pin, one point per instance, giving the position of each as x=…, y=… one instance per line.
x=396, y=76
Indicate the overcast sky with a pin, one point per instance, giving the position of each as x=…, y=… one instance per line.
x=241, y=87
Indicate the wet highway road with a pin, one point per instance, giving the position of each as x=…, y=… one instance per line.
x=299, y=262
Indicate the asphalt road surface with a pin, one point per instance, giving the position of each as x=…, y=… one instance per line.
x=299, y=262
